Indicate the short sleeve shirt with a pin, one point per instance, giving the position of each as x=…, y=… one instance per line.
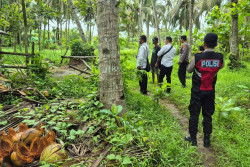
x=154, y=55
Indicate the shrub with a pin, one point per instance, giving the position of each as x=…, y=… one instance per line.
x=80, y=49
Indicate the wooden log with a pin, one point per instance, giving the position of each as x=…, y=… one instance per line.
x=103, y=155
x=32, y=101
x=19, y=67
x=64, y=55
x=78, y=69
x=86, y=64
x=78, y=57
x=18, y=54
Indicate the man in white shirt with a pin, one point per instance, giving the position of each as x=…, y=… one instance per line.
x=142, y=60
x=167, y=53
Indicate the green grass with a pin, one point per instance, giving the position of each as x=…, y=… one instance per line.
x=52, y=55
x=157, y=125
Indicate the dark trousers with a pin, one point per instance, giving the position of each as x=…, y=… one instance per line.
x=182, y=72
x=166, y=71
x=204, y=100
x=143, y=83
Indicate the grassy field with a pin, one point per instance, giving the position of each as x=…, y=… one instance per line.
x=52, y=55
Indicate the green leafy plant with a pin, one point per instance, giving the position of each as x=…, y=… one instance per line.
x=225, y=107
x=80, y=49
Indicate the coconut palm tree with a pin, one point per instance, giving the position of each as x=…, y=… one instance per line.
x=75, y=17
x=111, y=90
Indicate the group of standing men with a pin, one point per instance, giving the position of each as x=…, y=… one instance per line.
x=204, y=66
x=162, y=59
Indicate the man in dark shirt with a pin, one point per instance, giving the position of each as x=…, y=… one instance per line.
x=154, y=69
x=204, y=66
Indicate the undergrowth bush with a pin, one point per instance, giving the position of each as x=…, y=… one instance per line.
x=80, y=49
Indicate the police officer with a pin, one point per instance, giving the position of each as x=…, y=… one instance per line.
x=183, y=61
x=204, y=67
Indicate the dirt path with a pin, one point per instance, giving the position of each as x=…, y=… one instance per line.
x=208, y=154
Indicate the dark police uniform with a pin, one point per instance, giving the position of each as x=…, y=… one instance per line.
x=205, y=66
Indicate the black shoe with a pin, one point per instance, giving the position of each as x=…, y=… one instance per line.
x=206, y=141
x=193, y=141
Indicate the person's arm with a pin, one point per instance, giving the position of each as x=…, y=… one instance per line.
x=161, y=51
x=159, y=54
x=191, y=65
x=140, y=58
x=184, y=54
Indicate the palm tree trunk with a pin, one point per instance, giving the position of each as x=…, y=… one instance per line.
x=39, y=34
x=128, y=30
x=234, y=46
x=90, y=33
x=20, y=40
x=44, y=32
x=147, y=22
x=48, y=31
x=25, y=33
x=75, y=17
x=111, y=90
x=140, y=18
x=61, y=33
x=14, y=38
x=156, y=21
x=191, y=10
x=25, y=28
x=87, y=31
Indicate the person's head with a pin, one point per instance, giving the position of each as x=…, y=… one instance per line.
x=201, y=48
x=210, y=40
x=168, y=40
x=155, y=40
x=142, y=39
x=183, y=38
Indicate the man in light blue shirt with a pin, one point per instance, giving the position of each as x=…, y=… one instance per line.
x=167, y=53
x=142, y=59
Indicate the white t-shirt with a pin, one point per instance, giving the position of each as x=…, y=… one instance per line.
x=167, y=59
x=143, y=56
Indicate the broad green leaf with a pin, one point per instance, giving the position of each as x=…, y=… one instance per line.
x=111, y=156
x=106, y=112
x=3, y=123
x=119, y=110
x=126, y=161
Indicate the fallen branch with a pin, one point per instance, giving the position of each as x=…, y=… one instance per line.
x=19, y=54
x=79, y=57
x=86, y=64
x=78, y=69
x=64, y=55
x=103, y=155
x=41, y=94
x=32, y=101
x=19, y=67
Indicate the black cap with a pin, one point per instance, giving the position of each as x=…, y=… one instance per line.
x=211, y=37
x=155, y=39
